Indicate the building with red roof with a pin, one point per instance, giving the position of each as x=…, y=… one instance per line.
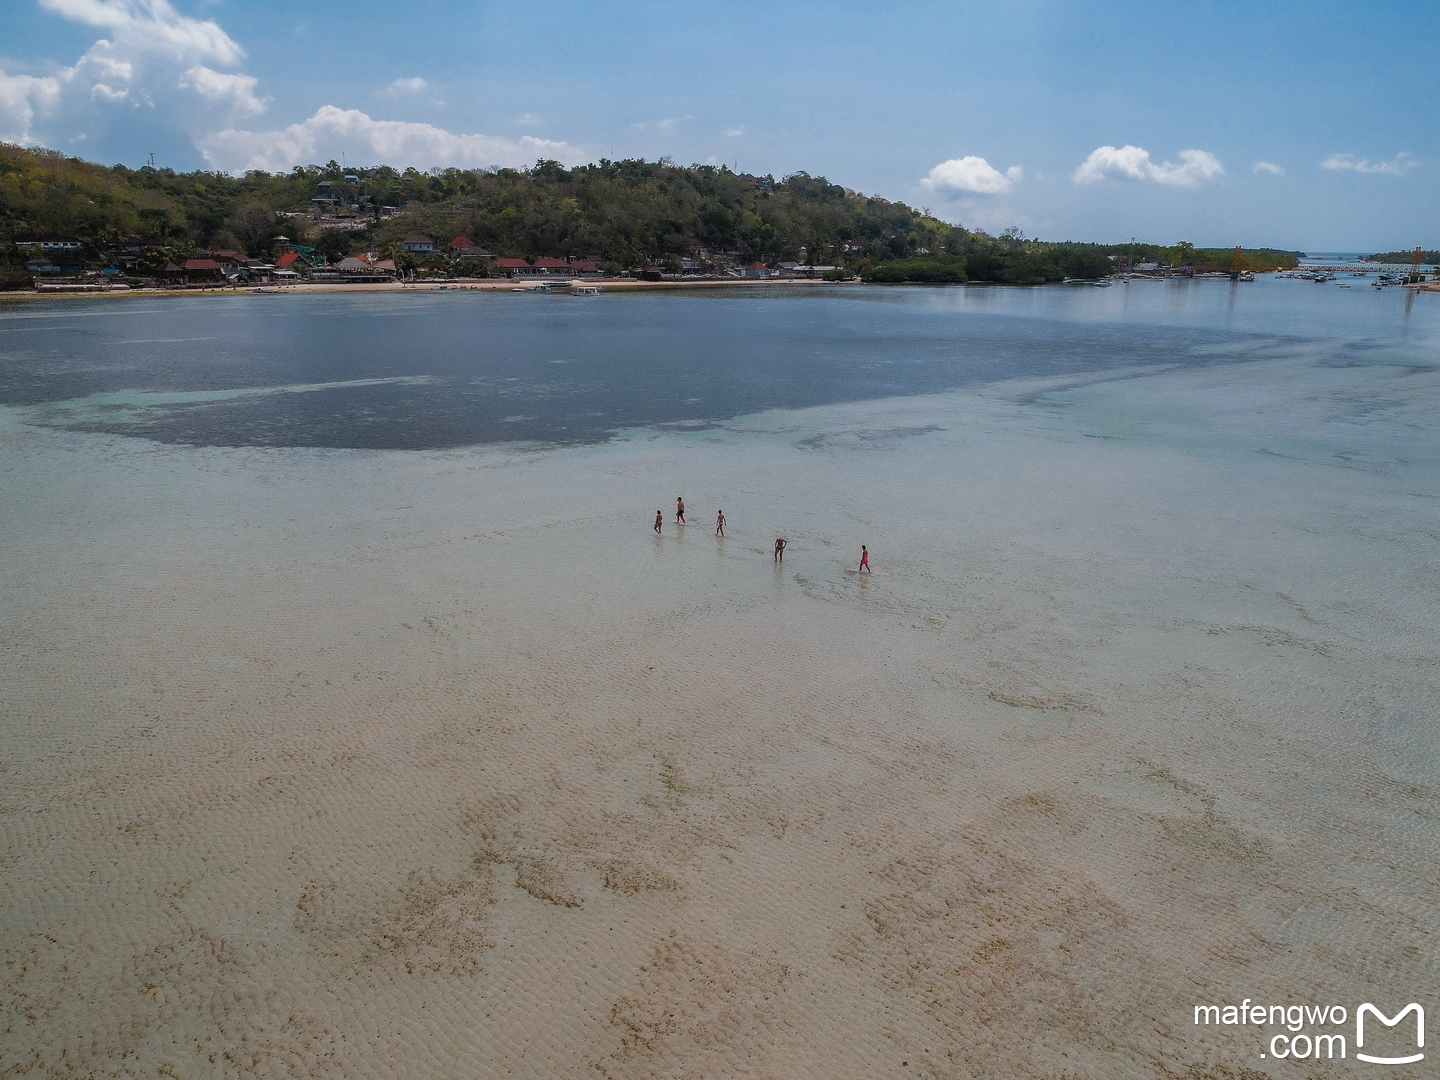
x=517, y=268
x=202, y=270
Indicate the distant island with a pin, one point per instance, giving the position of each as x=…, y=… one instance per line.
x=64, y=217
x=1427, y=258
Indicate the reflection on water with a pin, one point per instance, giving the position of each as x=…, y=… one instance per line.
x=432, y=370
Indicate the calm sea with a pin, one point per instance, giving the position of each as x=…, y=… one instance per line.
x=430, y=370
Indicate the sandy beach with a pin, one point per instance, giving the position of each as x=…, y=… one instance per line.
x=322, y=763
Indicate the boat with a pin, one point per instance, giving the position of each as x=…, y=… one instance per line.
x=1102, y=284
x=585, y=290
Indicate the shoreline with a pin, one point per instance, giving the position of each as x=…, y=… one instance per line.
x=460, y=284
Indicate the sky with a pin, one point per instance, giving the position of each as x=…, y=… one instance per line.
x=1309, y=126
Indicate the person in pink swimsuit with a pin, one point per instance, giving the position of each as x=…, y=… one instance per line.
x=865, y=560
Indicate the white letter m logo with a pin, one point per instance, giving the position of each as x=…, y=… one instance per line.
x=1388, y=1022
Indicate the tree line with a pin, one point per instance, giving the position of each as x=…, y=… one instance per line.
x=622, y=213
x=1404, y=257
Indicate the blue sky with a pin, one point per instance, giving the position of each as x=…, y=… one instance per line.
x=1307, y=125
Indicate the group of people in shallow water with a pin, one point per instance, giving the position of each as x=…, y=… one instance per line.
x=780, y=542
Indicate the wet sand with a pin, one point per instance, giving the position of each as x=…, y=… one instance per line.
x=341, y=763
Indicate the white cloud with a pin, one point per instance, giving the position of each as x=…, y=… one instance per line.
x=151, y=51
x=736, y=131
x=973, y=174
x=332, y=131
x=1267, y=168
x=1133, y=163
x=412, y=85
x=238, y=90
x=152, y=25
x=1399, y=165
x=21, y=97
x=528, y=119
x=668, y=124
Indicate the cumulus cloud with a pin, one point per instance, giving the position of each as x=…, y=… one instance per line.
x=1133, y=163
x=152, y=25
x=1399, y=165
x=333, y=130
x=21, y=97
x=413, y=85
x=236, y=90
x=151, y=52
x=1267, y=168
x=972, y=174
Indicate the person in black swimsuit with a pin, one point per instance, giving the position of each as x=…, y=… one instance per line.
x=780, y=543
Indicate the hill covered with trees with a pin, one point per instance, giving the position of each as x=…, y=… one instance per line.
x=623, y=213
x=1427, y=258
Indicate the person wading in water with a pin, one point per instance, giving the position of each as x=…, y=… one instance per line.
x=780, y=543
x=659, y=520
x=720, y=523
x=680, y=511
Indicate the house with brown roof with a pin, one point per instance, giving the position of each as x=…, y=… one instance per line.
x=518, y=268
x=465, y=249
x=230, y=261
x=203, y=270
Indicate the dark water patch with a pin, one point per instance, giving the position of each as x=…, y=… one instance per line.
x=429, y=371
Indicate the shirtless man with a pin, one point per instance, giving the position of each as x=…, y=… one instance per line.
x=720, y=523
x=680, y=511
x=659, y=520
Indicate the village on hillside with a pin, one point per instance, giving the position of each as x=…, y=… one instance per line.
x=459, y=258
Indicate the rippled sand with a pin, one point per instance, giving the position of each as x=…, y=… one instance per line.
x=442, y=765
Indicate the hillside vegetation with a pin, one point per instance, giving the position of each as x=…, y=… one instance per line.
x=1427, y=258
x=622, y=213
